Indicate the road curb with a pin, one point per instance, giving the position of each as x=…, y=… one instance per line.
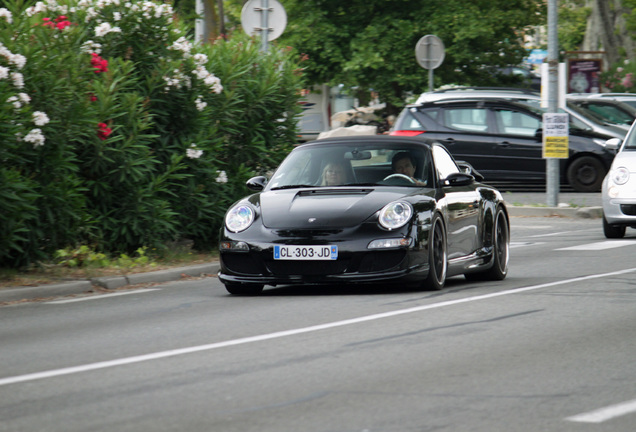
x=571, y=212
x=110, y=282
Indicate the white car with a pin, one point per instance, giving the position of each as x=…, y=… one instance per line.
x=619, y=188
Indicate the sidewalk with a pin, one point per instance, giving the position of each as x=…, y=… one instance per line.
x=520, y=204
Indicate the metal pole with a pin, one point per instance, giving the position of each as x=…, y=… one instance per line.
x=430, y=80
x=264, y=24
x=552, y=164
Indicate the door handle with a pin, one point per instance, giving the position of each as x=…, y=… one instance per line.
x=504, y=144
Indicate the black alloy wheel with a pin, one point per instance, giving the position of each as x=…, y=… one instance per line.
x=437, y=255
x=500, y=250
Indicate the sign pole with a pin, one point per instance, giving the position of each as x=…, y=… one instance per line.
x=552, y=164
x=264, y=24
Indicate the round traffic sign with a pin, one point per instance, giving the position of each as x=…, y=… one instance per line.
x=257, y=12
x=429, y=52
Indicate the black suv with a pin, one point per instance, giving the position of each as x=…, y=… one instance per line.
x=502, y=139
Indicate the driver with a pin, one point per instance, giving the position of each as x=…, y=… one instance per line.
x=404, y=163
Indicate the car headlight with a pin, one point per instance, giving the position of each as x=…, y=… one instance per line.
x=395, y=215
x=239, y=218
x=620, y=175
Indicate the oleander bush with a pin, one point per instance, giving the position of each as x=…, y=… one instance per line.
x=118, y=132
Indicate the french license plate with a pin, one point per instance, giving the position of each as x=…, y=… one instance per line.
x=325, y=252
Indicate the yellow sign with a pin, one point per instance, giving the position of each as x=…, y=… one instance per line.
x=556, y=147
x=555, y=135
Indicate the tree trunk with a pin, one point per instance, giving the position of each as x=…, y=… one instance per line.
x=606, y=31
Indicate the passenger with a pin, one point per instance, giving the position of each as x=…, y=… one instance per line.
x=333, y=174
x=404, y=163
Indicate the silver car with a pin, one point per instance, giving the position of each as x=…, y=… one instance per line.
x=619, y=188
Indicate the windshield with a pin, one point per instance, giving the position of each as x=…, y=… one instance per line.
x=630, y=140
x=355, y=164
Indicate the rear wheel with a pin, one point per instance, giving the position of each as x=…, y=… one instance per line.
x=437, y=255
x=613, y=231
x=501, y=250
x=244, y=289
x=586, y=173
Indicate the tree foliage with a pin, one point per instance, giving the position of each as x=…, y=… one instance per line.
x=371, y=43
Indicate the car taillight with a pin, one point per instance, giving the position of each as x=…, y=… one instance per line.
x=407, y=132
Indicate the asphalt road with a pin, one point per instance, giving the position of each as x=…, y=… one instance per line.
x=550, y=348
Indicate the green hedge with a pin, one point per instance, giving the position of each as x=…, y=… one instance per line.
x=117, y=132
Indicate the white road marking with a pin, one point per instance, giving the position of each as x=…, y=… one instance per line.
x=610, y=244
x=602, y=414
x=523, y=244
x=199, y=348
x=97, y=297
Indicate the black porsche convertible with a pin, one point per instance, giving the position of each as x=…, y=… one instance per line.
x=365, y=209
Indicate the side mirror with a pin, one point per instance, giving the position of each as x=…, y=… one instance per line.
x=256, y=183
x=468, y=169
x=613, y=143
x=459, y=179
x=538, y=134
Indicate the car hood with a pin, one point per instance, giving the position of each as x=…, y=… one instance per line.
x=627, y=159
x=324, y=207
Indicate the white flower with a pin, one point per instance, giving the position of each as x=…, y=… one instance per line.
x=117, y=16
x=200, y=59
x=15, y=102
x=25, y=98
x=18, y=79
x=193, y=152
x=40, y=118
x=4, y=13
x=222, y=177
x=104, y=28
x=182, y=45
x=200, y=104
x=91, y=47
x=35, y=137
x=4, y=72
x=18, y=59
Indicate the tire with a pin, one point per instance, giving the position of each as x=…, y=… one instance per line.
x=437, y=255
x=586, y=173
x=500, y=250
x=240, y=289
x=613, y=231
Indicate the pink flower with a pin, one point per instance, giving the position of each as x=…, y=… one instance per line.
x=103, y=131
x=60, y=22
x=99, y=63
x=627, y=81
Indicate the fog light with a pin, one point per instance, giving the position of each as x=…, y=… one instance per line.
x=234, y=246
x=613, y=192
x=389, y=243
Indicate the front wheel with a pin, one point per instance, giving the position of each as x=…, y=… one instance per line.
x=613, y=231
x=437, y=255
x=244, y=289
x=586, y=173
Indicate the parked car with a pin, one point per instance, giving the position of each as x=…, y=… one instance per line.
x=619, y=188
x=370, y=225
x=628, y=98
x=612, y=111
x=581, y=118
x=502, y=139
